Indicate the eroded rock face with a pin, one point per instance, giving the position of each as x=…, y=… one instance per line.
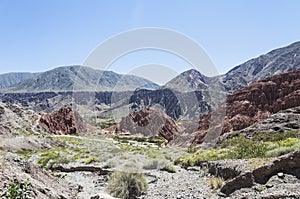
x=149, y=122
x=44, y=185
x=63, y=122
x=287, y=164
x=255, y=102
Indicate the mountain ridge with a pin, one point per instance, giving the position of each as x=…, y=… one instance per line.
x=80, y=78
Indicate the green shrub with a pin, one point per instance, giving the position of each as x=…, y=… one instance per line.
x=279, y=151
x=17, y=190
x=127, y=185
x=191, y=149
x=151, y=164
x=168, y=168
x=91, y=160
x=243, y=148
x=216, y=183
x=47, y=159
x=288, y=142
x=264, y=136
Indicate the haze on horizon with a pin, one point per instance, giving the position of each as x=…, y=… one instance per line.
x=40, y=35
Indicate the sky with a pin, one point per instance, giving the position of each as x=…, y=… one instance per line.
x=36, y=35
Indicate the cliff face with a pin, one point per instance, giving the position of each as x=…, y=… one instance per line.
x=149, y=122
x=255, y=102
x=63, y=122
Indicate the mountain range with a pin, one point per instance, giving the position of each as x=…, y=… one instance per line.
x=187, y=96
x=73, y=78
x=10, y=79
x=83, y=78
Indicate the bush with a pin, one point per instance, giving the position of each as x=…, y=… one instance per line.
x=127, y=185
x=279, y=151
x=168, y=168
x=17, y=190
x=288, y=142
x=47, y=159
x=275, y=136
x=243, y=148
x=151, y=164
x=91, y=160
x=216, y=183
x=191, y=149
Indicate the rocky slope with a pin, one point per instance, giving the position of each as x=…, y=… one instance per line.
x=81, y=78
x=278, y=61
x=15, y=120
x=255, y=102
x=149, y=122
x=43, y=184
x=284, y=121
x=64, y=122
x=10, y=79
x=275, y=62
x=276, y=178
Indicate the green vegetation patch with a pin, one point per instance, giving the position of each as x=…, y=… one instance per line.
x=18, y=190
x=127, y=185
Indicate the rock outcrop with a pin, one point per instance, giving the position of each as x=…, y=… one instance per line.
x=254, y=103
x=149, y=122
x=63, y=122
x=287, y=164
x=44, y=185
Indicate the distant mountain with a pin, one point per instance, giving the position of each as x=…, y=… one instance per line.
x=9, y=79
x=275, y=62
x=187, y=81
x=81, y=78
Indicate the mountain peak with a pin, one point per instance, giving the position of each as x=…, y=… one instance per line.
x=189, y=80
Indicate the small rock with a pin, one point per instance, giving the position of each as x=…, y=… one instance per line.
x=269, y=185
x=179, y=197
x=280, y=175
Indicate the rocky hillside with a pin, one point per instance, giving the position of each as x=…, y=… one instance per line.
x=15, y=120
x=10, y=79
x=81, y=78
x=150, y=122
x=275, y=62
x=255, y=102
x=187, y=81
x=64, y=122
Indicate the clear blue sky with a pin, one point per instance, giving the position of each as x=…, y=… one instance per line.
x=37, y=35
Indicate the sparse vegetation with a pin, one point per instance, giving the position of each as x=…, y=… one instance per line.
x=242, y=148
x=91, y=160
x=215, y=183
x=127, y=185
x=273, y=137
x=168, y=168
x=151, y=164
x=18, y=190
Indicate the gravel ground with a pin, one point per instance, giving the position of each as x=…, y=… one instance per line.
x=184, y=184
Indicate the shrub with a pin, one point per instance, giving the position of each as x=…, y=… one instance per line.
x=127, y=185
x=288, y=142
x=216, y=183
x=168, y=168
x=151, y=164
x=47, y=159
x=191, y=149
x=275, y=136
x=17, y=190
x=243, y=148
x=279, y=151
x=91, y=160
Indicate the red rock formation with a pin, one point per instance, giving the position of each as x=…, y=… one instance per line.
x=255, y=102
x=63, y=122
x=149, y=122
